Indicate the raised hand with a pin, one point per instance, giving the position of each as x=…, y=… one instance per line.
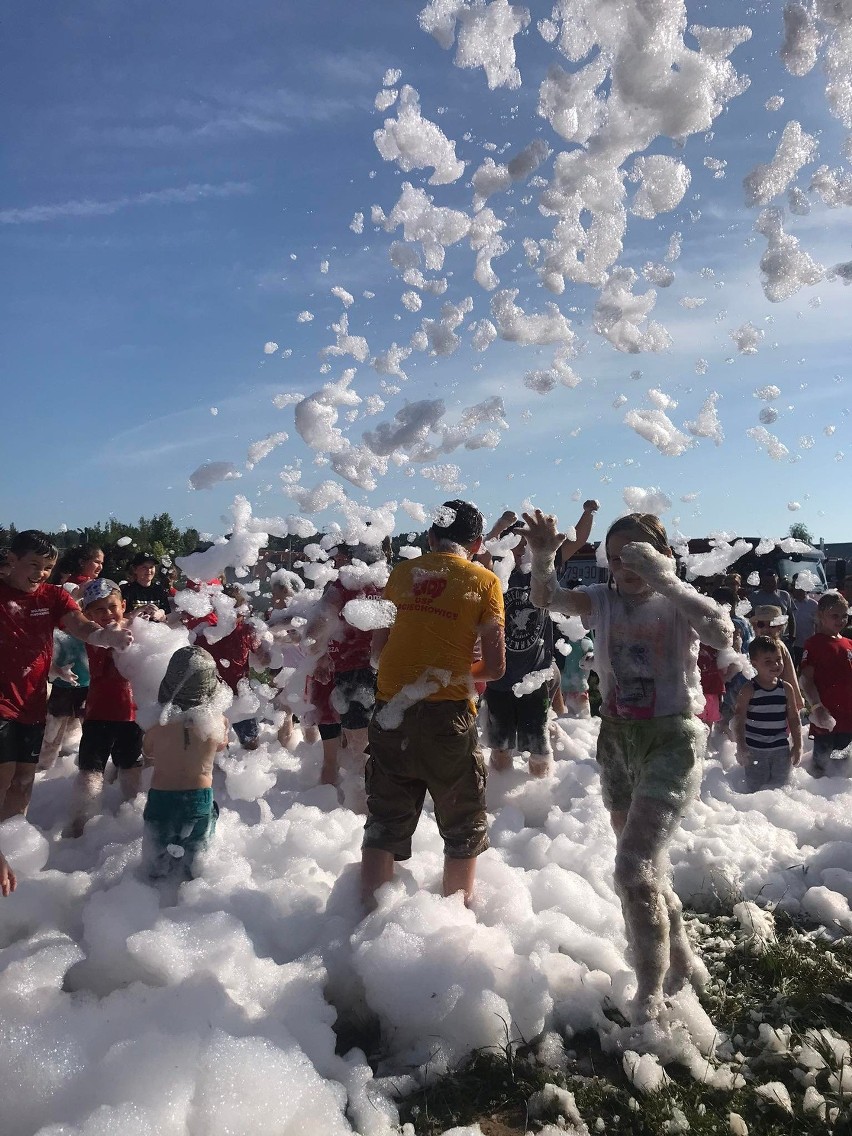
x=148, y=611
x=542, y=532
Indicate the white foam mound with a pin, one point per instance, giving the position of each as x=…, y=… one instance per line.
x=135, y=1013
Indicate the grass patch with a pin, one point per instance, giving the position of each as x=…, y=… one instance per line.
x=798, y=984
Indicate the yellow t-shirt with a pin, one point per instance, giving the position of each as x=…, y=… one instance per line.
x=441, y=601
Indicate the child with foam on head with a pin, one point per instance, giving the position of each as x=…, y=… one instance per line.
x=180, y=813
x=648, y=624
x=109, y=726
x=767, y=726
x=827, y=683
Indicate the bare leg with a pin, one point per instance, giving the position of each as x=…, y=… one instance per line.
x=558, y=702
x=311, y=734
x=330, y=747
x=541, y=764
x=501, y=760
x=376, y=869
x=459, y=875
x=128, y=780
x=7, y=772
x=640, y=864
x=357, y=740
x=54, y=733
x=87, y=790
x=285, y=730
x=19, y=788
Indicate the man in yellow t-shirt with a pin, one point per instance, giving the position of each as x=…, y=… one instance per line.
x=423, y=734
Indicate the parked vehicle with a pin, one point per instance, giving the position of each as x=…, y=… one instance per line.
x=787, y=558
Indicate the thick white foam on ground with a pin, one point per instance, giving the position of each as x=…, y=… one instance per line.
x=123, y=1010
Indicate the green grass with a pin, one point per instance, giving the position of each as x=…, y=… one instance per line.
x=801, y=981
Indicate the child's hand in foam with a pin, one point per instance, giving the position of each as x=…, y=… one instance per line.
x=644, y=560
x=820, y=717
x=542, y=532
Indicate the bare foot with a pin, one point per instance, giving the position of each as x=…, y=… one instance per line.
x=74, y=829
x=686, y=972
x=646, y=1009
x=328, y=775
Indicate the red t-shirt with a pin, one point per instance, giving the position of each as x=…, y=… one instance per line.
x=712, y=681
x=232, y=653
x=349, y=648
x=27, y=623
x=110, y=697
x=831, y=659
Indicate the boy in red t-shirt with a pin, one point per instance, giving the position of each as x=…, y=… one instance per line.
x=826, y=680
x=109, y=728
x=30, y=611
x=233, y=659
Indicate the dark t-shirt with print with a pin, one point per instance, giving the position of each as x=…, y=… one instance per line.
x=529, y=634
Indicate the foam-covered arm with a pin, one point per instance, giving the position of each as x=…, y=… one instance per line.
x=710, y=622
x=544, y=539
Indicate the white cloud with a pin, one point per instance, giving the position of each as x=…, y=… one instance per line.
x=86, y=207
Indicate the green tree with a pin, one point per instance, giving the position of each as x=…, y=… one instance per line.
x=801, y=532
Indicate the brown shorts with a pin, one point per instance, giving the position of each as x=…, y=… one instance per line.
x=436, y=748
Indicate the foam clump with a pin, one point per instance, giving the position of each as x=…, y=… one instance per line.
x=441, y=983
x=785, y=268
x=369, y=614
x=23, y=845
x=211, y=473
x=795, y=150
x=747, y=338
x=414, y=142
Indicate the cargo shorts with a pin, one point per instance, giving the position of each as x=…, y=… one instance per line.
x=436, y=749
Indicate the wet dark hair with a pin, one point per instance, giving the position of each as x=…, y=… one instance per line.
x=467, y=525
x=725, y=596
x=32, y=540
x=763, y=645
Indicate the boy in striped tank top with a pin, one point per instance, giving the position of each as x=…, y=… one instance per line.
x=767, y=728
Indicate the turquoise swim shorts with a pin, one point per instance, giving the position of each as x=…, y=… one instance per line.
x=178, y=825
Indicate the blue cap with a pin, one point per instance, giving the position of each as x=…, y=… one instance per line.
x=98, y=589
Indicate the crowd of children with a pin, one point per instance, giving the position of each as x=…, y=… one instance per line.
x=677, y=667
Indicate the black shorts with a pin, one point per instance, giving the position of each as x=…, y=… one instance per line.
x=354, y=697
x=20, y=742
x=518, y=723
x=67, y=701
x=121, y=741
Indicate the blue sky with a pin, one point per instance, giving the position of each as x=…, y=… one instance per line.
x=175, y=174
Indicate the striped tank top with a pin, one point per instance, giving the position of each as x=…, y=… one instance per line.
x=766, y=718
